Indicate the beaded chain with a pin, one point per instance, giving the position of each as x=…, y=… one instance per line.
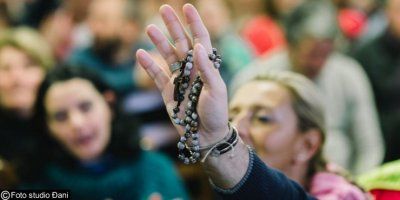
x=188, y=145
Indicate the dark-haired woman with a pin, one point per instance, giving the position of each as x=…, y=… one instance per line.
x=89, y=149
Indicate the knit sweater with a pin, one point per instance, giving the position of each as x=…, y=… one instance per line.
x=263, y=182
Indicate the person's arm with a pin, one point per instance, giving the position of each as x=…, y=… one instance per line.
x=212, y=108
x=258, y=181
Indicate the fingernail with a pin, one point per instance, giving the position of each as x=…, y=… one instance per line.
x=188, y=4
x=140, y=54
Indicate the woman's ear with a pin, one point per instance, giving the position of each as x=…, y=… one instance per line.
x=110, y=97
x=309, y=144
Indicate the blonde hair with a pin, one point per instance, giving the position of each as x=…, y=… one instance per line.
x=30, y=42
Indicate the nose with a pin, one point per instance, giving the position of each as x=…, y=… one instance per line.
x=16, y=74
x=76, y=120
x=242, y=124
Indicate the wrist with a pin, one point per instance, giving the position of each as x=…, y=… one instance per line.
x=210, y=139
x=221, y=147
x=225, y=171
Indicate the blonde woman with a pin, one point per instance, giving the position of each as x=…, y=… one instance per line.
x=24, y=59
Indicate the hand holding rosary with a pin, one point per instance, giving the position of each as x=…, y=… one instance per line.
x=203, y=118
x=188, y=145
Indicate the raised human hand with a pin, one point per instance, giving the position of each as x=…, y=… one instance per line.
x=212, y=106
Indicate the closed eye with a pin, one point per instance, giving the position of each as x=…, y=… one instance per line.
x=264, y=119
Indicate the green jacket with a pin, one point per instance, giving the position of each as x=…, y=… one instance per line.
x=387, y=177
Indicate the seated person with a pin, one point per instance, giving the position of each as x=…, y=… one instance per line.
x=284, y=122
x=280, y=114
x=89, y=148
x=25, y=57
x=351, y=117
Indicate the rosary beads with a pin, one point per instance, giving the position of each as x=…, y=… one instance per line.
x=188, y=145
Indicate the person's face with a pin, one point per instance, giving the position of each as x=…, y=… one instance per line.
x=79, y=118
x=310, y=55
x=393, y=14
x=217, y=16
x=263, y=114
x=107, y=23
x=19, y=80
x=106, y=18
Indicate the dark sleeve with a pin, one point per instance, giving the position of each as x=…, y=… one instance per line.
x=262, y=182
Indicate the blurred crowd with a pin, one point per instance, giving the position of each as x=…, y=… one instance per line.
x=77, y=112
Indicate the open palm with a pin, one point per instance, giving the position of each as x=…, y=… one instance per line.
x=212, y=106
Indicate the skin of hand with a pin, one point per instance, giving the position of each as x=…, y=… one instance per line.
x=143, y=80
x=213, y=104
x=212, y=107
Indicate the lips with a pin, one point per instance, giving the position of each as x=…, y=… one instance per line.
x=84, y=140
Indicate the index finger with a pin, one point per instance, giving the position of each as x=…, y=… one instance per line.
x=197, y=27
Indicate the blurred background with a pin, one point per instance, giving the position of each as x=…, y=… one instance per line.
x=37, y=36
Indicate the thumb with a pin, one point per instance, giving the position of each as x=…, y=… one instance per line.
x=208, y=74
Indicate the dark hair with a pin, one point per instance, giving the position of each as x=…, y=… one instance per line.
x=123, y=143
x=4, y=14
